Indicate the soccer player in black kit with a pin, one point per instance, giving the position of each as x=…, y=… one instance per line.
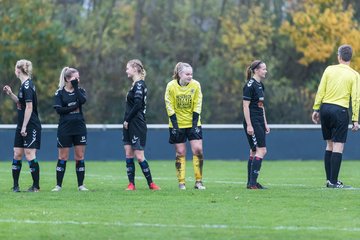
x=134, y=126
x=69, y=99
x=28, y=130
x=255, y=124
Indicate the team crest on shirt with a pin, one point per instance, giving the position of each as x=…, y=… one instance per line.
x=192, y=91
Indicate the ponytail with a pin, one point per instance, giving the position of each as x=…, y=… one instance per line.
x=25, y=66
x=250, y=70
x=137, y=64
x=65, y=74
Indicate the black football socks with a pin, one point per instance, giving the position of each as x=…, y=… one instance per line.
x=35, y=172
x=16, y=169
x=60, y=172
x=130, y=169
x=146, y=171
x=80, y=171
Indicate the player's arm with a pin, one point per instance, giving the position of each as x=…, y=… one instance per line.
x=267, y=128
x=138, y=99
x=355, y=98
x=246, y=109
x=170, y=106
x=80, y=93
x=320, y=92
x=8, y=91
x=197, y=106
x=27, y=115
x=58, y=105
x=315, y=117
x=65, y=110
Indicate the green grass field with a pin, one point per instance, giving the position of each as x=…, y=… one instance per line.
x=296, y=205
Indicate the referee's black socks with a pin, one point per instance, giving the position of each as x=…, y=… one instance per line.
x=60, y=171
x=327, y=164
x=16, y=169
x=146, y=171
x=336, y=158
x=80, y=171
x=35, y=172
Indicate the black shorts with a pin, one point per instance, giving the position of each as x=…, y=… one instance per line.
x=185, y=134
x=66, y=141
x=258, y=138
x=135, y=135
x=31, y=141
x=334, y=122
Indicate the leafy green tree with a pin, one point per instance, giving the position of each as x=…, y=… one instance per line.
x=319, y=27
x=30, y=32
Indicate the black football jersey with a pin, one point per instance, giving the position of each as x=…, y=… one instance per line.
x=70, y=123
x=136, y=102
x=253, y=91
x=27, y=93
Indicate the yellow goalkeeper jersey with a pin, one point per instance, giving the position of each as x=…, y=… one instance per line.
x=183, y=101
x=339, y=83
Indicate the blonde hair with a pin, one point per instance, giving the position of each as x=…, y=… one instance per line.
x=66, y=73
x=136, y=63
x=179, y=67
x=25, y=66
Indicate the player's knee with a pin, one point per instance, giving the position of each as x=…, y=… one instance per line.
x=17, y=155
x=198, y=152
x=180, y=153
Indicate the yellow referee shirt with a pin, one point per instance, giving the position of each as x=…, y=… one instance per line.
x=183, y=101
x=339, y=83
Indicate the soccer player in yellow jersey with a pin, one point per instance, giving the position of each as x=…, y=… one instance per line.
x=183, y=100
x=338, y=85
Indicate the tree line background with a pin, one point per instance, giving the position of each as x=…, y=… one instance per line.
x=296, y=38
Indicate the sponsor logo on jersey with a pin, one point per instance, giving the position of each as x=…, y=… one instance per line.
x=183, y=101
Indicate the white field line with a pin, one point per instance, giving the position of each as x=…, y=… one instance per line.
x=206, y=180
x=160, y=225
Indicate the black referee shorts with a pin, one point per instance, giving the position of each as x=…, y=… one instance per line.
x=334, y=122
x=258, y=138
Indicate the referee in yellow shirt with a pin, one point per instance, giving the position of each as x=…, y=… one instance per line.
x=183, y=100
x=338, y=85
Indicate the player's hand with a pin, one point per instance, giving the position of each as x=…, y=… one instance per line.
x=176, y=133
x=75, y=83
x=267, y=129
x=125, y=124
x=250, y=130
x=7, y=89
x=315, y=117
x=355, y=126
x=23, y=132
